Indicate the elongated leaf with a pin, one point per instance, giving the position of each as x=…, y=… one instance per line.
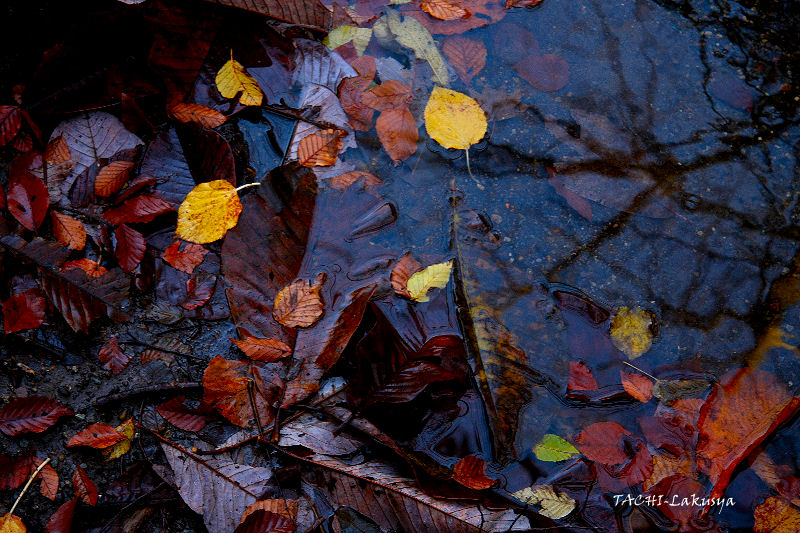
x=143, y=208
x=433, y=276
x=97, y=435
x=199, y=114
x=130, y=247
x=32, y=414
x=112, y=177
x=554, y=448
x=84, y=487
x=27, y=200
x=320, y=436
x=179, y=415
x=443, y=9
x=410, y=33
x=61, y=520
x=10, y=122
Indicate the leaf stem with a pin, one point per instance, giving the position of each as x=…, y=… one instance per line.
x=246, y=185
x=642, y=371
x=28, y=484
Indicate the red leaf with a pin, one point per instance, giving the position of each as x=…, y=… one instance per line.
x=578, y=203
x=187, y=259
x=13, y=471
x=92, y=268
x=179, y=415
x=112, y=177
x=84, y=487
x=96, y=436
x=259, y=349
x=61, y=520
x=49, y=485
x=350, y=96
x=142, y=208
x=470, y=471
x=130, y=247
x=602, y=442
x=10, y=122
x=68, y=231
x=546, y=72
x=31, y=414
x=23, y=311
x=580, y=377
x=398, y=133
x=639, y=468
x=388, y=95
x=261, y=521
x=112, y=357
x=679, y=487
x=637, y=385
x=199, y=291
x=225, y=388
x=28, y=200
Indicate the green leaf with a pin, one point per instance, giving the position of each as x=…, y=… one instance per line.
x=553, y=448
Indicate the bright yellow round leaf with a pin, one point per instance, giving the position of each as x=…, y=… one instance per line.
x=435, y=276
x=208, y=212
x=454, y=119
x=233, y=79
x=11, y=524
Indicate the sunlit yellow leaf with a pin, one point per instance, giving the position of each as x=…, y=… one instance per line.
x=124, y=446
x=410, y=33
x=208, y=212
x=11, y=524
x=233, y=79
x=344, y=34
x=454, y=119
x=630, y=331
x=553, y=505
x=435, y=276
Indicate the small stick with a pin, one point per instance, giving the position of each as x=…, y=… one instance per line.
x=163, y=387
x=642, y=371
x=246, y=185
x=25, y=488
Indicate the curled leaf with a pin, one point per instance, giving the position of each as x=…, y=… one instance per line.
x=405, y=267
x=631, y=331
x=233, y=79
x=453, y=119
x=299, y=304
x=434, y=276
x=208, y=212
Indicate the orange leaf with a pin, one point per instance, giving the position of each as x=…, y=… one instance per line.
x=443, y=10
x=68, y=231
x=187, y=259
x=580, y=377
x=112, y=357
x=398, y=133
x=637, y=385
x=665, y=465
x=388, y=95
x=83, y=486
x=57, y=151
x=744, y=408
x=112, y=177
x=490, y=11
x=468, y=57
x=320, y=149
x=225, y=388
x=267, y=350
x=92, y=268
x=602, y=442
x=343, y=181
x=299, y=304
x=96, y=436
x=405, y=267
x=351, y=91
x=10, y=523
x=199, y=114
x=470, y=471
x=49, y=485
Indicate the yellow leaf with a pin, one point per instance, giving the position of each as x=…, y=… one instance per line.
x=208, y=212
x=344, y=34
x=233, y=79
x=454, y=119
x=776, y=515
x=630, y=331
x=11, y=524
x=124, y=446
x=412, y=34
x=553, y=505
x=434, y=276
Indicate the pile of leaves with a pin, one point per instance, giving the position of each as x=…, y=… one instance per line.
x=227, y=178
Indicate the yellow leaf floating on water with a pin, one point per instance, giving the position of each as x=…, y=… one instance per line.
x=553, y=505
x=454, y=119
x=630, y=331
x=345, y=34
x=232, y=79
x=435, y=276
x=208, y=212
x=412, y=34
x=10, y=523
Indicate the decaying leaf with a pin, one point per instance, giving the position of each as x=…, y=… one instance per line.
x=553, y=448
x=405, y=267
x=443, y=9
x=602, y=442
x=117, y=450
x=208, y=212
x=112, y=357
x=263, y=520
x=546, y=72
x=57, y=151
x=434, y=276
x=142, y=208
x=467, y=56
x=31, y=414
x=226, y=387
x=131, y=247
x=282, y=506
x=233, y=79
x=410, y=33
x=470, y=471
x=199, y=114
x=320, y=149
x=112, y=177
x=343, y=181
x=68, y=231
x=177, y=413
x=552, y=504
x=776, y=515
x=27, y=200
x=340, y=35
x=49, y=485
x=453, y=119
x=261, y=349
x=299, y=304
x=631, y=331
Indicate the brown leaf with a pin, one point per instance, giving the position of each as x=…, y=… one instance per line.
x=68, y=231
x=31, y=414
x=637, y=385
x=57, y=151
x=261, y=520
x=388, y=95
x=142, y=208
x=112, y=177
x=405, y=267
x=580, y=377
x=130, y=247
x=546, y=72
x=112, y=357
x=225, y=387
x=443, y=10
x=83, y=486
x=581, y=205
x=49, y=484
x=467, y=56
x=185, y=260
x=350, y=93
x=299, y=304
x=470, y=471
x=602, y=442
x=665, y=465
x=343, y=181
x=97, y=435
x=320, y=149
x=398, y=133
x=176, y=412
x=304, y=12
x=261, y=349
x=199, y=114
x=522, y=3
x=92, y=268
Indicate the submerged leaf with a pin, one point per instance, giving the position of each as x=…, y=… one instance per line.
x=434, y=276
x=233, y=79
x=637, y=385
x=340, y=35
x=553, y=448
x=398, y=133
x=208, y=212
x=320, y=149
x=412, y=34
x=299, y=304
x=631, y=331
x=602, y=442
x=470, y=471
x=453, y=119
x=405, y=267
x=467, y=56
x=553, y=505
x=776, y=515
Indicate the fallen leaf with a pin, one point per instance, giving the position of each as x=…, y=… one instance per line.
x=470, y=471
x=406, y=382
x=92, y=268
x=638, y=468
x=177, y=413
x=434, y=276
x=637, y=385
x=320, y=149
x=10, y=123
x=57, y=151
x=233, y=79
x=84, y=487
x=453, y=119
x=199, y=114
x=112, y=177
x=343, y=181
x=553, y=448
x=261, y=349
x=27, y=200
x=112, y=357
x=31, y=414
x=350, y=94
x=443, y=10
x=49, y=482
x=631, y=331
x=10, y=523
x=97, y=435
x=602, y=442
x=282, y=506
x=127, y=430
x=340, y=35
x=409, y=32
x=261, y=520
x=467, y=56
x=398, y=133
x=225, y=387
x=208, y=212
x=546, y=72
x=552, y=504
x=522, y=3
x=25, y=310
x=199, y=290
x=61, y=520
x=670, y=390
x=743, y=409
x=666, y=465
x=578, y=203
x=580, y=377
x=483, y=12
x=405, y=267
x=776, y=515
x=68, y=231
x=301, y=12
x=320, y=436
x=130, y=248
x=185, y=260
x=299, y=304
x=388, y=95
x=139, y=209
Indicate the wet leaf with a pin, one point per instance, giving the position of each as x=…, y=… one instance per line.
x=602, y=442
x=546, y=72
x=10, y=122
x=27, y=200
x=409, y=32
x=233, y=79
x=631, y=331
x=84, y=487
x=388, y=95
x=732, y=91
x=522, y=3
x=208, y=154
x=434, y=276
x=112, y=357
x=57, y=151
x=199, y=290
x=92, y=268
x=284, y=507
x=261, y=520
x=31, y=414
x=68, y=231
x=405, y=267
x=553, y=448
x=666, y=465
x=351, y=90
x=470, y=471
x=112, y=177
x=143, y=208
x=225, y=387
x=25, y=310
x=199, y=114
x=580, y=377
x=743, y=409
x=343, y=181
x=122, y=447
x=340, y=35
x=467, y=56
x=320, y=436
x=49, y=482
x=176, y=412
x=776, y=515
x=185, y=260
x=552, y=504
x=453, y=119
x=669, y=390
x=408, y=381
x=443, y=9
x=97, y=436
x=637, y=385
x=299, y=304
x=61, y=520
x=320, y=149
x=208, y=212
x=10, y=523
x=130, y=248
x=260, y=349
x=398, y=133
x=581, y=205
x=305, y=12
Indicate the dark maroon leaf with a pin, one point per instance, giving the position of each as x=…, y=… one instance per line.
x=32, y=414
x=409, y=381
x=10, y=122
x=112, y=357
x=199, y=289
x=135, y=186
x=23, y=311
x=83, y=486
x=580, y=377
x=28, y=200
x=130, y=247
x=177, y=413
x=61, y=520
x=546, y=72
x=13, y=471
x=142, y=208
x=164, y=159
x=208, y=154
x=261, y=521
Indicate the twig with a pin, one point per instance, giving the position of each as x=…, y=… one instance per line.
x=642, y=371
x=252, y=396
x=162, y=387
x=25, y=488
